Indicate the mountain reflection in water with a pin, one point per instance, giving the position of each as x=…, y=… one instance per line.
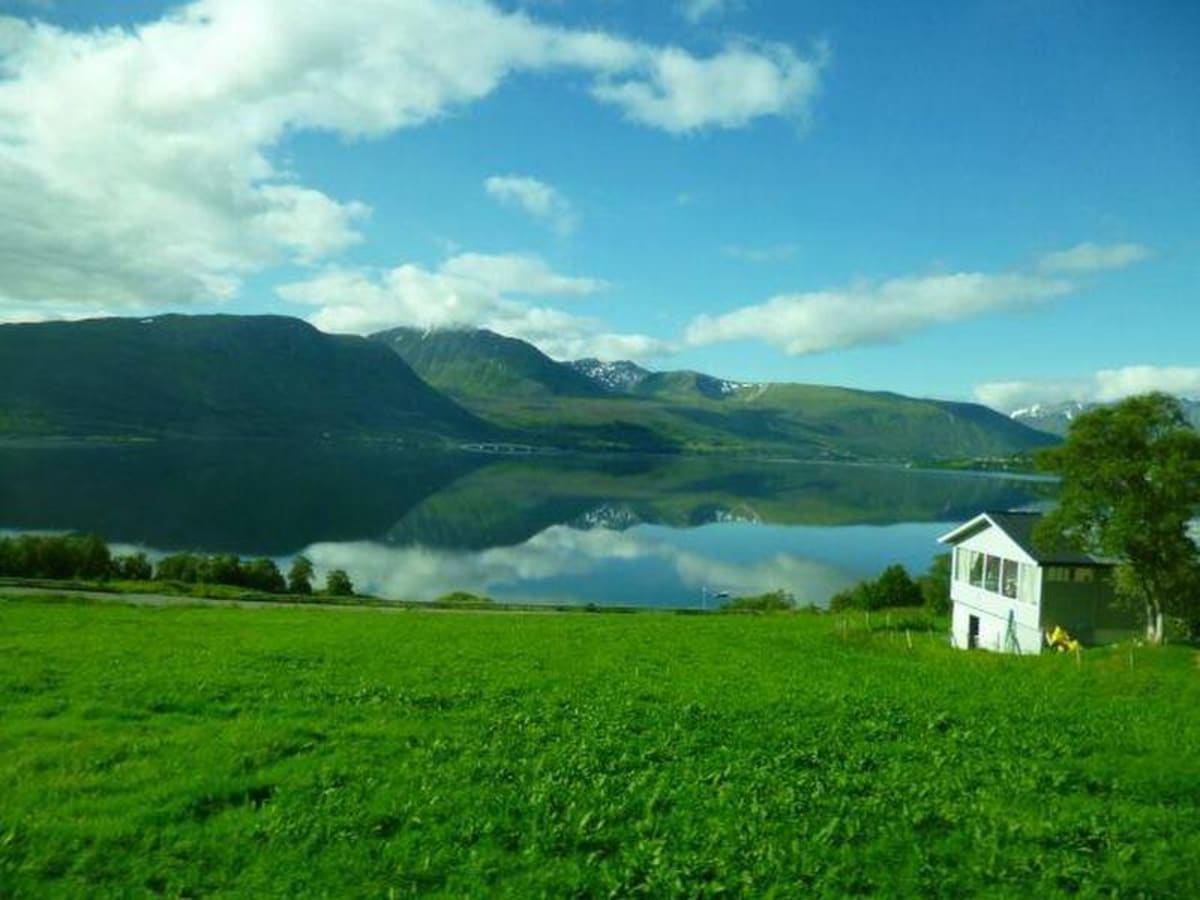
x=658, y=531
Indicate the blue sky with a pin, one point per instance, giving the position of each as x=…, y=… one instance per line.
x=991, y=200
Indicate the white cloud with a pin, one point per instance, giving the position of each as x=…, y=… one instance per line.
x=512, y=273
x=1104, y=386
x=136, y=166
x=1113, y=384
x=1009, y=396
x=469, y=289
x=871, y=313
x=1089, y=257
x=536, y=198
x=696, y=11
x=882, y=312
x=679, y=93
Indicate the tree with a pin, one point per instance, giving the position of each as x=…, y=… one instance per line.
x=338, y=584
x=1130, y=486
x=134, y=568
x=935, y=585
x=300, y=576
x=893, y=588
x=263, y=575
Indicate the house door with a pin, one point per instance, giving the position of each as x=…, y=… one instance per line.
x=972, y=632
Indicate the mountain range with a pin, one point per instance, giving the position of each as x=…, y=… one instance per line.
x=592, y=405
x=258, y=376
x=1056, y=418
x=214, y=376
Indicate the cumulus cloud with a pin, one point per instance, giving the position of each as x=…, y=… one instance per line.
x=699, y=10
x=534, y=197
x=882, y=312
x=1103, y=386
x=470, y=289
x=680, y=93
x=136, y=165
x=1089, y=257
x=873, y=313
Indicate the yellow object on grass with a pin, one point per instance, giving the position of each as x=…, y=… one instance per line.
x=1061, y=641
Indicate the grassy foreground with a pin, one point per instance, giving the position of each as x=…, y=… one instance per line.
x=298, y=752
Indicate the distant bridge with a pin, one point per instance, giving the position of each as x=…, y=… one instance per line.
x=508, y=449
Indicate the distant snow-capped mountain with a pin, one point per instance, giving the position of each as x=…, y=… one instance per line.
x=1056, y=418
x=619, y=377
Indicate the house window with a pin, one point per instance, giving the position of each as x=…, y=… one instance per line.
x=991, y=575
x=976, y=568
x=1027, y=587
x=962, y=565
x=1058, y=573
x=1008, y=578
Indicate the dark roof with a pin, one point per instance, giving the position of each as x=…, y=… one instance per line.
x=1020, y=525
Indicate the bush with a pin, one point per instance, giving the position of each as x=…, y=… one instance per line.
x=178, y=567
x=893, y=588
x=770, y=602
x=263, y=575
x=463, y=598
x=338, y=584
x=300, y=575
x=55, y=556
x=132, y=568
x=935, y=585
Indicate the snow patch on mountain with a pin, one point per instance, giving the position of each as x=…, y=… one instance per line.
x=617, y=376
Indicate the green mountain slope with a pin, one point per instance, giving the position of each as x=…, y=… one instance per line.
x=214, y=376
x=467, y=363
x=623, y=407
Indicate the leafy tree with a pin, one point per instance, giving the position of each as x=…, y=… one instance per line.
x=134, y=568
x=894, y=587
x=224, y=568
x=1130, y=485
x=338, y=584
x=861, y=596
x=300, y=576
x=770, y=602
x=263, y=575
x=935, y=585
x=177, y=567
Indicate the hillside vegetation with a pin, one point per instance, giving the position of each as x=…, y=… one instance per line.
x=515, y=386
x=283, y=753
x=214, y=376
x=272, y=376
x=467, y=363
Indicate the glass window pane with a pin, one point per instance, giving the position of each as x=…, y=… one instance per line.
x=1027, y=590
x=1008, y=578
x=976, y=568
x=991, y=575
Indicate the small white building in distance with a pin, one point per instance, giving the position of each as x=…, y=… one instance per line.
x=1007, y=594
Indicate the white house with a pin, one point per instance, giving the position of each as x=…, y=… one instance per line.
x=1007, y=593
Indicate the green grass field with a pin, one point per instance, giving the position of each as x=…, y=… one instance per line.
x=296, y=752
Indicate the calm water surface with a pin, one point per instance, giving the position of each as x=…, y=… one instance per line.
x=665, y=532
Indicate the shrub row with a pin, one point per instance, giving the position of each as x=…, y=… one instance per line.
x=86, y=556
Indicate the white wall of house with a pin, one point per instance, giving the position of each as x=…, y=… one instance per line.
x=988, y=601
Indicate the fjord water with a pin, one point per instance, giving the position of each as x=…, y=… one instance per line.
x=615, y=530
